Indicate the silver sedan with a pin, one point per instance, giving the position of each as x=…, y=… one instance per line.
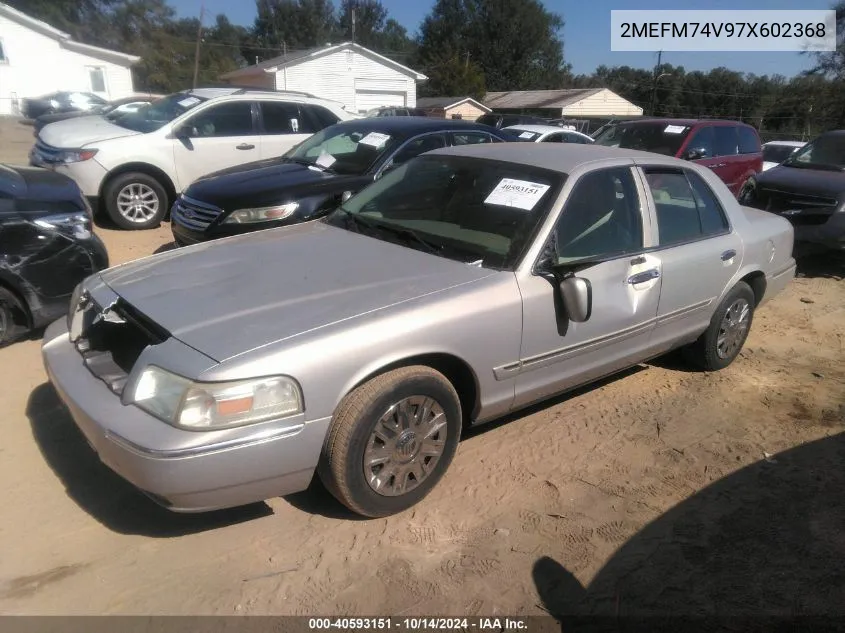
x=466, y=284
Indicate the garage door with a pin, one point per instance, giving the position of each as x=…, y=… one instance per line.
x=369, y=99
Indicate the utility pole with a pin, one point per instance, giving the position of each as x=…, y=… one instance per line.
x=466, y=62
x=197, y=51
x=654, y=84
x=352, y=11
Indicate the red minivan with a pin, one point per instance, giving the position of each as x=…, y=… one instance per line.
x=730, y=148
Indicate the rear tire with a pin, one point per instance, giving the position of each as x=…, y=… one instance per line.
x=14, y=318
x=391, y=441
x=722, y=342
x=136, y=201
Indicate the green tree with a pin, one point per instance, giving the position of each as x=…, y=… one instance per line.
x=516, y=44
x=289, y=25
x=451, y=74
x=832, y=63
x=370, y=16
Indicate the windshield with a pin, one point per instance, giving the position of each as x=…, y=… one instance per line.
x=826, y=152
x=477, y=211
x=151, y=117
x=658, y=137
x=343, y=149
x=523, y=135
x=777, y=153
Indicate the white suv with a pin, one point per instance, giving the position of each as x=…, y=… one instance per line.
x=135, y=165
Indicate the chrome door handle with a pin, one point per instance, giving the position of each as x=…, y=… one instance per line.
x=721, y=165
x=245, y=146
x=728, y=255
x=646, y=275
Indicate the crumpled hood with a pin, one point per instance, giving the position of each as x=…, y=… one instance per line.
x=82, y=131
x=229, y=296
x=818, y=182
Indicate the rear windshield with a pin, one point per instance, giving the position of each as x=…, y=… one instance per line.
x=658, y=137
x=777, y=153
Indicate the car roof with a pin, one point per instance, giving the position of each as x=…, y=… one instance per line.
x=540, y=129
x=786, y=143
x=406, y=125
x=563, y=157
x=684, y=122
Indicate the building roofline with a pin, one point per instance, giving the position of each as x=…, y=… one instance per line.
x=96, y=51
x=277, y=63
x=33, y=23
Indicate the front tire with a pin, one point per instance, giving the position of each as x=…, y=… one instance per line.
x=14, y=321
x=747, y=192
x=136, y=201
x=391, y=441
x=721, y=343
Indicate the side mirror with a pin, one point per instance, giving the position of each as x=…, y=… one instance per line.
x=346, y=195
x=577, y=294
x=696, y=153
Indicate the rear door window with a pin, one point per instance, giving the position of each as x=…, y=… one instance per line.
x=282, y=118
x=687, y=209
x=226, y=119
x=725, y=140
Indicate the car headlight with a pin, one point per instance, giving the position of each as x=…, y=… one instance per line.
x=262, y=214
x=75, y=155
x=202, y=406
x=76, y=224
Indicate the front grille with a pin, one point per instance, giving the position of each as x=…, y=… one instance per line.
x=777, y=200
x=194, y=214
x=800, y=209
x=111, y=347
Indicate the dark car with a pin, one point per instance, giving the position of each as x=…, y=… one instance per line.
x=808, y=189
x=395, y=111
x=730, y=148
x=110, y=110
x=313, y=178
x=497, y=120
x=62, y=101
x=46, y=248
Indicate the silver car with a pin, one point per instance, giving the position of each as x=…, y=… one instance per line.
x=466, y=284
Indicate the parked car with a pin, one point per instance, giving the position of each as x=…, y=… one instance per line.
x=775, y=152
x=395, y=111
x=466, y=284
x=136, y=165
x=730, y=148
x=808, y=189
x=497, y=120
x=110, y=110
x=313, y=178
x=46, y=248
x=547, y=134
x=61, y=101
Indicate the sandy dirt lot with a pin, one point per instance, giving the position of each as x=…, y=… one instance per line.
x=660, y=490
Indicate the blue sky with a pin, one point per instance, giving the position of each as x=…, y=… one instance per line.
x=587, y=32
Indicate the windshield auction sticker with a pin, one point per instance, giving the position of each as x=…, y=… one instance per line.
x=517, y=193
x=674, y=129
x=375, y=139
x=325, y=160
x=190, y=101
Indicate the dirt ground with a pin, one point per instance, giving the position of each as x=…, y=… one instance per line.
x=661, y=490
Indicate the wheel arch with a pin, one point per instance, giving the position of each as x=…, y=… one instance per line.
x=144, y=168
x=456, y=370
x=757, y=280
x=20, y=295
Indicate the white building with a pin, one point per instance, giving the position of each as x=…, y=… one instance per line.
x=355, y=76
x=36, y=59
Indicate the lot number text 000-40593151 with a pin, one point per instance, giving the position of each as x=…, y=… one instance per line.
x=729, y=30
